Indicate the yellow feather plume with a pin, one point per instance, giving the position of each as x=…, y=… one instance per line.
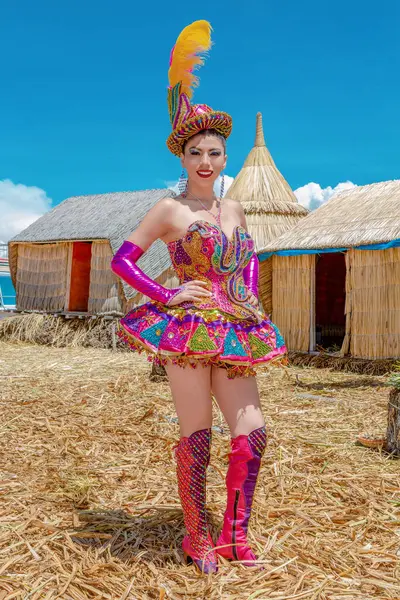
x=188, y=54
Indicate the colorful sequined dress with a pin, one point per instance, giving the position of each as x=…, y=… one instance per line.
x=224, y=329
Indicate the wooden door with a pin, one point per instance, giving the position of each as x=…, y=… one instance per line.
x=80, y=276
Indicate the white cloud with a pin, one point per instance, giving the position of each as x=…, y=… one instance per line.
x=313, y=195
x=20, y=205
x=173, y=185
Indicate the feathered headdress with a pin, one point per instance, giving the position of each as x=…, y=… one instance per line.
x=188, y=55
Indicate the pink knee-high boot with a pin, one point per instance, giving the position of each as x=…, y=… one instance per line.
x=241, y=479
x=192, y=456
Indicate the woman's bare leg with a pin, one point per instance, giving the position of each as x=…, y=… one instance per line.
x=238, y=400
x=191, y=392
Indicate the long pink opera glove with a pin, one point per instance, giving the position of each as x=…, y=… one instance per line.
x=250, y=274
x=123, y=265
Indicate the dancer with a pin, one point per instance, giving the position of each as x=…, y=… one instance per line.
x=210, y=332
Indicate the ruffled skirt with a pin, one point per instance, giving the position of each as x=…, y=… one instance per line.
x=189, y=336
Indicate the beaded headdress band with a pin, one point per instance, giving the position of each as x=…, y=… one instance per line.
x=188, y=119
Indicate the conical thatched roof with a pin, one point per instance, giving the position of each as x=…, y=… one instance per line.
x=363, y=215
x=269, y=203
x=110, y=217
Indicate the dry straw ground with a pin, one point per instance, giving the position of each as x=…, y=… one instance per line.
x=88, y=504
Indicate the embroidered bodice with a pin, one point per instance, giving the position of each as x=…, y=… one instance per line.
x=207, y=254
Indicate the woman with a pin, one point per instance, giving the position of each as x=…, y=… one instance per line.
x=210, y=332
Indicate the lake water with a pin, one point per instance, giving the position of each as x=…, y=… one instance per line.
x=7, y=289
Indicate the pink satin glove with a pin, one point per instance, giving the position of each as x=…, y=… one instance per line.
x=123, y=265
x=250, y=275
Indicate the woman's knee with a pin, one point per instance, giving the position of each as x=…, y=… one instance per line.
x=239, y=402
x=246, y=423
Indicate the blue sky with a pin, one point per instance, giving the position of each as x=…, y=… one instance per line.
x=83, y=101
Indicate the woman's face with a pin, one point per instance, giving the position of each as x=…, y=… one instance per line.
x=204, y=159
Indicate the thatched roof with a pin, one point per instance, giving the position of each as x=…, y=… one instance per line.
x=269, y=203
x=102, y=216
x=363, y=215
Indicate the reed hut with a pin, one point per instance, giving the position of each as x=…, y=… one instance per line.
x=61, y=263
x=336, y=275
x=269, y=203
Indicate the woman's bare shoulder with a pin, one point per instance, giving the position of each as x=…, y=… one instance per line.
x=163, y=208
x=155, y=223
x=167, y=205
x=169, y=201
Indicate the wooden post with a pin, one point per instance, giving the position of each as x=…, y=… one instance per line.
x=158, y=373
x=113, y=336
x=313, y=285
x=393, y=428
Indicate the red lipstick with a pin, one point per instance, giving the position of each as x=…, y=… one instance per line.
x=204, y=174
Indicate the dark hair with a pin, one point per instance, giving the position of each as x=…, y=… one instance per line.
x=212, y=132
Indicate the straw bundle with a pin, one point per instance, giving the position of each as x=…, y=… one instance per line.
x=291, y=298
x=89, y=493
x=271, y=207
x=57, y=331
x=347, y=364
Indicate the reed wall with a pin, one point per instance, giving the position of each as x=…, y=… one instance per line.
x=41, y=276
x=105, y=292
x=292, y=278
x=265, y=285
x=375, y=303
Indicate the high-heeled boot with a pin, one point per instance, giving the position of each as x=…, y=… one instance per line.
x=192, y=458
x=241, y=479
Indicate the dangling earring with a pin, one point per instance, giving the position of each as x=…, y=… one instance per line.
x=182, y=184
x=222, y=189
